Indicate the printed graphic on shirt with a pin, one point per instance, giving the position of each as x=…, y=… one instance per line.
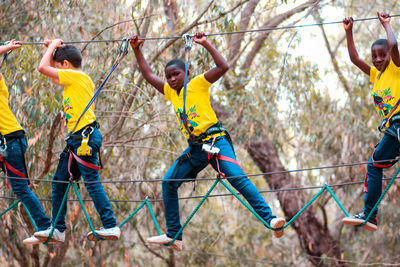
x=384, y=101
x=191, y=116
x=66, y=104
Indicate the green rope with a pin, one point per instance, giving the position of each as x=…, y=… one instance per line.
x=152, y=216
x=10, y=207
x=30, y=217
x=337, y=200
x=85, y=212
x=133, y=214
x=58, y=214
x=194, y=211
x=380, y=198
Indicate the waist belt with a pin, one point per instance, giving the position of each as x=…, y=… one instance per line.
x=15, y=135
x=394, y=118
x=78, y=134
x=214, y=131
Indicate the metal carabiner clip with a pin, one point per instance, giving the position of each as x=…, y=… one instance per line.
x=123, y=48
x=187, y=38
x=3, y=147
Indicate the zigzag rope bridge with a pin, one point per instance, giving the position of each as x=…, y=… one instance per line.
x=146, y=202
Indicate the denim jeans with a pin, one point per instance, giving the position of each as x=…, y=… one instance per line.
x=16, y=149
x=197, y=162
x=387, y=149
x=95, y=190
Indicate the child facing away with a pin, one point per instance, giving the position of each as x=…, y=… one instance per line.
x=63, y=64
x=202, y=127
x=12, y=157
x=385, y=75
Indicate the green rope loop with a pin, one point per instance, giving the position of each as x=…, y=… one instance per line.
x=10, y=207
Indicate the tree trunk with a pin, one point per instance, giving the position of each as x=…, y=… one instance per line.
x=314, y=237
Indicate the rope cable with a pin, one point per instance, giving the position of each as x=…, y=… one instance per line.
x=214, y=34
x=112, y=180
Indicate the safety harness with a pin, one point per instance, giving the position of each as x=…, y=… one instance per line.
x=3, y=155
x=205, y=139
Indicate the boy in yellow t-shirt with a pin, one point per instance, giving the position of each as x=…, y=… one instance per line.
x=385, y=75
x=12, y=156
x=62, y=63
x=202, y=128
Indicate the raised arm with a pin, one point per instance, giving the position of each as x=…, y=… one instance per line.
x=13, y=44
x=361, y=64
x=46, y=65
x=144, y=67
x=384, y=18
x=222, y=66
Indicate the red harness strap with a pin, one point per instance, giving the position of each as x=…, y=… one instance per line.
x=12, y=169
x=81, y=161
x=224, y=158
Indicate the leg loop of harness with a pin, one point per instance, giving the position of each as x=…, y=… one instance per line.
x=5, y=165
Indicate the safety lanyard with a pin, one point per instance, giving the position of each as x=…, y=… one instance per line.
x=123, y=51
x=188, y=45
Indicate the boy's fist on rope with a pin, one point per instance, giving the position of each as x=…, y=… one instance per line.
x=135, y=42
x=348, y=24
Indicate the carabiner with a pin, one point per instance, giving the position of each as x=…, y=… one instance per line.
x=187, y=38
x=123, y=48
x=85, y=133
x=3, y=147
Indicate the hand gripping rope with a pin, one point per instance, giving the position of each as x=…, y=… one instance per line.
x=5, y=55
x=123, y=51
x=188, y=45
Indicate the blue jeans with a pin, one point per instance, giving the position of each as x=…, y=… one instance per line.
x=95, y=190
x=387, y=149
x=198, y=161
x=16, y=149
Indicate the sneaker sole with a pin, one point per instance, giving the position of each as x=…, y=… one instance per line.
x=173, y=246
x=280, y=224
x=92, y=237
x=354, y=222
x=43, y=239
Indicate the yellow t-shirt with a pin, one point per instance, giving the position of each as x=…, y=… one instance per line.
x=8, y=122
x=386, y=90
x=199, y=112
x=78, y=90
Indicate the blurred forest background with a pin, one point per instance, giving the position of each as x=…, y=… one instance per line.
x=305, y=114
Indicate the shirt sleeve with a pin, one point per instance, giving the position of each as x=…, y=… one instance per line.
x=372, y=74
x=64, y=77
x=167, y=92
x=201, y=83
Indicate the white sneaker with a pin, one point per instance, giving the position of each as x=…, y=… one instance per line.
x=276, y=223
x=57, y=237
x=32, y=241
x=164, y=239
x=105, y=233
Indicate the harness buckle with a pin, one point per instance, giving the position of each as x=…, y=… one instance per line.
x=210, y=148
x=3, y=147
x=85, y=149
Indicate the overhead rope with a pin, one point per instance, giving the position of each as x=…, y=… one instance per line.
x=215, y=34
